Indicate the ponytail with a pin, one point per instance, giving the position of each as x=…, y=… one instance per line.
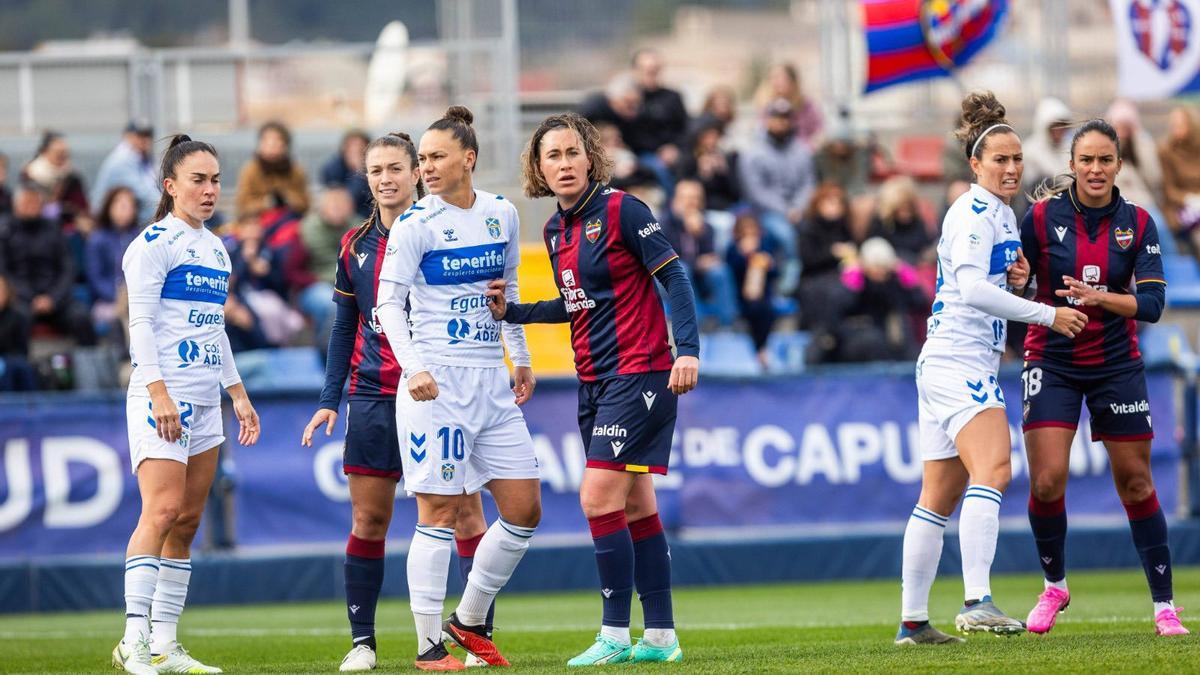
x=395, y=139
x=180, y=147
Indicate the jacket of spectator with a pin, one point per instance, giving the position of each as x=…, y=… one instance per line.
x=271, y=177
x=1180, y=152
x=704, y=160
x=1140, y=178
x=61, y=185
x=662, y=119
x=130, y=165
x=102, y=260
x=617, y=106
x=1046, y=150
x=321, y=243
x=34, y=257
x=14, y=331
x=777, y=174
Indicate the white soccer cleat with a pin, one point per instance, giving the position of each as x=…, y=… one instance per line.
x=179, y=661
x=473, y=661
x=133, y=659
x=361, y=657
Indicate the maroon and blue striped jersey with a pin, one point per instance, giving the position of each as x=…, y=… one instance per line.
x=1113, y=248
x=604, y=252
x=374, y=371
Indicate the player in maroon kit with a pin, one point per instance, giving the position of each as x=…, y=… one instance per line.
x=1090, y=248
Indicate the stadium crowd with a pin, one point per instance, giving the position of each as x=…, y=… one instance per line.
x=807, y=223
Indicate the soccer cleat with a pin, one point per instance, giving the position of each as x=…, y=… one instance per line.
x=925, y=634
x=179, y=661
x=644, y=652
x=133, y=659
x=985, y=617
x=361, y=657
x=1167, y=623
x=473, y=639
x=603, y=652
x=473, y=661
x=1043, y=615
x=437, y=658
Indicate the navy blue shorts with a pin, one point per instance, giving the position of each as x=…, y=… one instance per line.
x=372, y=447
x=627, y=422
x=1117, y=400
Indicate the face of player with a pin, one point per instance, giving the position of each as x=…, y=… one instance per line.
x=392, y=177
x=445, y=164
x=564, y=164
x=1095, y=164
x=1000, y=165
x=195, y=188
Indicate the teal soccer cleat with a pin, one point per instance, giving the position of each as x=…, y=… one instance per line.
x=603, y=652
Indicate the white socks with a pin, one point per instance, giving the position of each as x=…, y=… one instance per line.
x=922, y=553
x=428, y=567
x=1160, y=606
x=660, y=637
x=1061, y=584
x=501, y=548
x=141, y=575
x=169, y=596
x=618, y=634
x=979, y=525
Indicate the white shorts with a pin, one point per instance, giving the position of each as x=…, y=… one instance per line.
x=471, y=433
x=203, y=430
x=951, y=390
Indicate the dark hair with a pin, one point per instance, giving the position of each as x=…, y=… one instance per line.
x=532, y=179
x=103, y=220
x=980, y=111
x=352, y=134
x=48, y=137
x=457, y=120
x=279, y=128
x=180, y=148
x=401, y=141
x=1063, y=182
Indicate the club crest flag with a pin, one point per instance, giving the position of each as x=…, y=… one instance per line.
x=1158, y=44
x=909, y=40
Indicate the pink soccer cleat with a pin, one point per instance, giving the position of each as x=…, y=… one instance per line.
x=1167, y=622
x=1043, y=615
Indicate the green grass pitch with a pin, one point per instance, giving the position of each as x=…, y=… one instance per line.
x=827, y=627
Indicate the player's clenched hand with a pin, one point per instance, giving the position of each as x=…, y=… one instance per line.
x=323, y=416
x=247, y=417
x=422, y=386
x=523, y=383
x=1068, y=321
x=1018, y=272
x=166, y=416
x=496, y=301
x=684, y=375
x=1081, y=292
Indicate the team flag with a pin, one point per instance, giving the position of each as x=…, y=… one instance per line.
x=1158, y=47
x=910, y=40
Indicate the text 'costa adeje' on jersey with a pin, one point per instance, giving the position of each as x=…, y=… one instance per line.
x=446, y=256
x=981, y=231
x=186, y=271
x=374, y=372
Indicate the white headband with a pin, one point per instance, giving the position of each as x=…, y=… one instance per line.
x=985, y=133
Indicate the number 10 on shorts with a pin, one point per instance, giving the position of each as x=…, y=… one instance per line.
x=454, y=443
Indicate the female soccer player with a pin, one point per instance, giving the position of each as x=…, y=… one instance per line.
x=607, y=248
x=1091, y=249
x=460, y=426
x=177, y=273
x=963, y=431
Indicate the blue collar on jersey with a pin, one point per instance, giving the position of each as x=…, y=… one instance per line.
x=1103, y=211
x=589, y=193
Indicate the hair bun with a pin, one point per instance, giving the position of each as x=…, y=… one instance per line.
x=459, y=113
x=980, y=110
x=179, y=138
x=402, y=136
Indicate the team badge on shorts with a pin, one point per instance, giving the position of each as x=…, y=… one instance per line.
x=592, y=230
x=1124, y=236
x=493, y=226
x=447, y=472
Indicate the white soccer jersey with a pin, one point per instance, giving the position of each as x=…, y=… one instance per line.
x=186, y=271
x=446, y=256
x=980, y=231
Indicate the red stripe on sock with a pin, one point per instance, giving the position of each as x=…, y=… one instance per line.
x=644, y=528
x=466, y=547
x=1047, y=509
x=1143, y=509
x=602, y=526
x=364, y=548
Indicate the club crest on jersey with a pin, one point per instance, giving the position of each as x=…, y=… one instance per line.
x=493, y=226
x=220, y=256
x=592, y=230
x=192, y=254
x=449, y=235
x=1124, y=236
x=447, y=472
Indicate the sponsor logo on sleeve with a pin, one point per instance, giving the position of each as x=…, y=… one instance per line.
x=649, y=230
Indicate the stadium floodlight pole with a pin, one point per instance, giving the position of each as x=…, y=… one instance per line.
x=239, y=23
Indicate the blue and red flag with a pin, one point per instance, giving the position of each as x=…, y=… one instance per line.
x=911, y=40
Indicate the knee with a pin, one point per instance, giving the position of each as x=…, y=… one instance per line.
x=996, y=474
x=371, y=523
x=162, y=517
x=440, y=513
x=1046, y=488
x=1135, y=488
x=186, y=525
x=527, y=516
x=595, y=503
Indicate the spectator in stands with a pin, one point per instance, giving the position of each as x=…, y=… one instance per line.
x=1180, y=152
x=883, y=294
x=721, y=105
x=662, y=121
x=825, y=245
x=5, y=193
x=704, y=160
x=778, y=178
x=616, y=107
x=692, y=238
x=783, y=82
x=1140, y=178
x=844, y=158
x=1046, y=148
x=753, y=261
x=39, y=267
x=54, y=175
x=116, y=227
x=257, y=279
x=628, y=173
x=345, y=169
x=272, y=178
x=312, y=264
x=130, y=165
x=898, y=220
x=16, y=373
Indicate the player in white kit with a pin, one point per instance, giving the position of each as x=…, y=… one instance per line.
x=459, y=425
x=177, y=273
x=964, y=434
